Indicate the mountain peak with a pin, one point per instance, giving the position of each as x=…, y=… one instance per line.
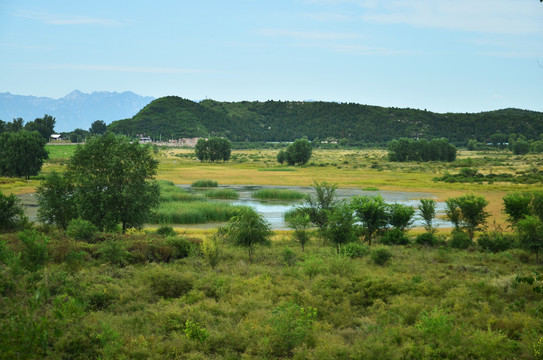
x=74, y=95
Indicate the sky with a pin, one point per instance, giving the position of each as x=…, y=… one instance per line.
x=439, y=55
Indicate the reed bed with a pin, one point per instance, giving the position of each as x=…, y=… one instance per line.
x=198, y=212
x=222, y=194
x=172, y=193
x=278, y=194
x=204, y=183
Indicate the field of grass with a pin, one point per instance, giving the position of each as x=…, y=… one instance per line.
x=278, y=194
x=146, y=297
x=142, y=296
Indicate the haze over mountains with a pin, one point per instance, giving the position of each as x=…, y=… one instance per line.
x=75, y=110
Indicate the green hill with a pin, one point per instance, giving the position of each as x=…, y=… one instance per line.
x=174, y=117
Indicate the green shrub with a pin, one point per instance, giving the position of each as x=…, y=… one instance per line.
x=495, y=242
x=169, y=283
x=182, y=246
x=460, y=240
x=114, y=252
x=291, y=324
x=166, y=230
x=426, y=239
x=289, y=257
x=194, y=331
x=394, y=237
x=34, y=254
x=354, y=250
x=80, y=229
x=75, y=259
x=100, y=297
x=12, y=216
x=381, y=256
x=204, y=183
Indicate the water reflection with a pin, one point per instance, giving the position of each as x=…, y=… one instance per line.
x=274, y=210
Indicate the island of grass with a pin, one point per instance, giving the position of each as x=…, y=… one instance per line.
x=277, y=194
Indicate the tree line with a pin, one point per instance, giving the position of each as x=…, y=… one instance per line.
x=404, y=149
x=360, y=125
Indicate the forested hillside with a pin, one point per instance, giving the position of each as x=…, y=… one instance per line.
x=174, y=117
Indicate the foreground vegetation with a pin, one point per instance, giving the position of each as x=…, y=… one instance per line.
x=143, y=296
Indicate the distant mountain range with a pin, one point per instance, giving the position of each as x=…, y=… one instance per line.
x=75, y=110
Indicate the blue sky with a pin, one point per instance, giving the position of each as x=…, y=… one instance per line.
x=440, y=55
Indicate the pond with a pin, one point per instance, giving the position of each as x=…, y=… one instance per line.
x=274, y=210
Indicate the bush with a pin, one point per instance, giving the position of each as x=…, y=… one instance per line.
x=426, y=239
x=194, y=331
x=34, y=254
x=12, y=216
x=381, y=256
x=182, y=246
x=289, y=257
x=170, y=283
x=80, y=229
x=495, y=242
x=114, y=252
x=166, y=230
x=354, y=250
x=460, y=240
x=394, y=237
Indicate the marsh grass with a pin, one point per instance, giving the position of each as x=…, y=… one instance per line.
x=195, y=212
x=278, y=194
x=204, y=183
x=222, y=194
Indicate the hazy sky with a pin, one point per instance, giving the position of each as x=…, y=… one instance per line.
x=440, y=55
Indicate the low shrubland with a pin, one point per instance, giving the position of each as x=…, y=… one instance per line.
x=149, y=296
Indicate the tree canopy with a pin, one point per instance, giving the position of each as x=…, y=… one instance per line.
x=213, y=149
x=114, y=181
x=22, y=153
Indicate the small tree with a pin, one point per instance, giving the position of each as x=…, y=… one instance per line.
x=468, y=211
x=281, y=157
x=372, y=212
x=12, y=216
x=300, y=222
x=400, y=216
x=56, y=200
x=22, y=153
x=299, y=152
x=517, y=206
x=213, y=149
x=531, y=234
x=427, y=210
x=98, y=127
x=248, y=229
x=321, y=204
x=341, y=229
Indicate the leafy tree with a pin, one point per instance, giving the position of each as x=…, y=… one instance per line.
x=299, y=152
x=98, y=127
x=281, y=157
x=56, y=200
x=12, y=215
x=427, y=209
x=531, y=234
x=300, y=222
x=247, y=229
x=321, y=204
x=517, y=206
x=341, y=229
x=213, y=149
x=372, y=212
x=114, y=182
x=521, y=147
x=400, y=216
x=45, y=126
x=22, y=153
x=15, y=126
x=468, y=211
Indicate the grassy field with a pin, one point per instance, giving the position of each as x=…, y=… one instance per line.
x=143, y=296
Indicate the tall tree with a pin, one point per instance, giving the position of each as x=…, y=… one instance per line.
x=372, y=212
x=468, y=212
x=56, y=200
x=45, y=126
x=98, y=127
x=114, y=181
x=299, y=152
x=22, y=153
